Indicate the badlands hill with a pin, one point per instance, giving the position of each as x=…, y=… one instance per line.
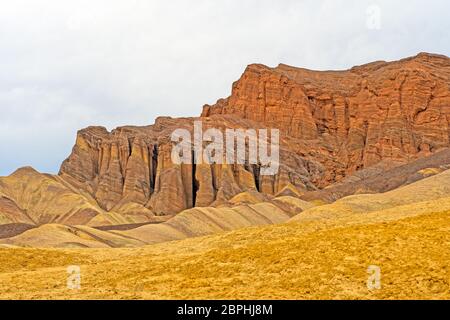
x=314, y=257
x=189, y=223
x=369, y=129
x=429, y=195
x=364, y=180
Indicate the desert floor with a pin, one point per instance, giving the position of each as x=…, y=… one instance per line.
x=307, y=260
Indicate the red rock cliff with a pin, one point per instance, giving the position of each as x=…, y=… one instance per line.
x=391, y=112
x=332, y=124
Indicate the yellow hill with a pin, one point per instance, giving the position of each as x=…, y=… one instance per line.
x=428, y=195
x=248, y=197
x=203, y=221
x=47, y=200
x=289, y=261
x=323, y=253
x=28, y=196
x=61, y=236
x=128, y=213
x=189, y=223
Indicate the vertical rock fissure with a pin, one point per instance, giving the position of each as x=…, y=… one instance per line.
x=256, y=175
x=195, y=183
x=154, y=167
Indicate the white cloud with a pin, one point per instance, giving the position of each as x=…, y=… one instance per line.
x=69, y=64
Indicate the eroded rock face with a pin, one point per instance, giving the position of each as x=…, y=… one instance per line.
x=332, y=124
x=133, y=164
x=395, y=112
x=369, y=129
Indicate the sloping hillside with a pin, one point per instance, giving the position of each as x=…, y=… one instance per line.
x=203, y=221
x=307, y=260
x=190, y=223
x=323, y=253
x=431, y=194
x=45, y=199
x=32, y=198
x=428, y=195
x=378, y=179
x=61, y=236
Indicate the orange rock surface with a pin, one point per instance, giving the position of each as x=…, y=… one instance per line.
x=381, y=111
x=333, y=125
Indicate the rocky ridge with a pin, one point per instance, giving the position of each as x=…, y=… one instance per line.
x=334, y=126
x=391, y=112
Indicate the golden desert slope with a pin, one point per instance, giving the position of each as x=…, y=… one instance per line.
x=405, y=232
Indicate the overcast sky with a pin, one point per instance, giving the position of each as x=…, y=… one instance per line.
x=65, y=65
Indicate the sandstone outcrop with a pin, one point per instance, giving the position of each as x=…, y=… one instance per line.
x=133, y=164
x=383, y=111
x=338, y=129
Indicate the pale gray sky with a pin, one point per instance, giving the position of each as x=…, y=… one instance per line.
x=65, y=65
